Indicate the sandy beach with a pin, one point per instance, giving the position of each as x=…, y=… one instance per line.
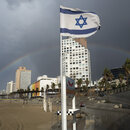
x=19, y=116
x=96, y=115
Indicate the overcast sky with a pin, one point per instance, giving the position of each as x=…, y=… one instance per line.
x=29, y=36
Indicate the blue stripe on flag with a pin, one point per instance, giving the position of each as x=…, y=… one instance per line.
x=67, y=11
x=76, y=32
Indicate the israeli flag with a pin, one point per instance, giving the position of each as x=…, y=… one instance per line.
x=77, y=23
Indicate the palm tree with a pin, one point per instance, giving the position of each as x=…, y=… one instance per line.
x=37, y=90
x=28, y=91
x=47, y=87
x=121, y=77
x=42, y=89
x=53, y=86
x=87, y=83
x=79, y=83
x=126, y=67
x=107, y=76
x=84, y=88
x=20, y=91
x=101, y=85
x=32, y=94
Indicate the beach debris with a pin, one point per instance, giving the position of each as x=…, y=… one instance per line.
x=91, y=99
x=120, y=105
x=82, y=105
x=116, y=106
x=103, y=101
x=98, y=102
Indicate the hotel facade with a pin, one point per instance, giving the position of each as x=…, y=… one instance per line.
x=42, y=83
x=23, y=78
x=76, y=59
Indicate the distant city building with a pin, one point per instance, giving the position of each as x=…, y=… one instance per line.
x=10, y=87
x=76, y=59
x=23, y=78
x=42, y=83
x=47, y=79
x=117, y=71
x=2, y=92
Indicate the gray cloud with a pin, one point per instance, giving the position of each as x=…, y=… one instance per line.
x=30, y=29
x=15, y=3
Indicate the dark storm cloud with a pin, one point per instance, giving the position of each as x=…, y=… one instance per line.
x=31, y=28
x=26, y=26
x=26, y=29
x=14, y=3
x=112, y=42
x=115, y=20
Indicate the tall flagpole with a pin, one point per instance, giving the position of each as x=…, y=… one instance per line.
x=69, y=23
x=63, y=91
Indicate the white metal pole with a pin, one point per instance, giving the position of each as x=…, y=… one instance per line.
x=74, y=122
x=73, y=103
x=74, y=116
x=45, y=102
x=64, y=117
x=63, y=91
x=50, y=105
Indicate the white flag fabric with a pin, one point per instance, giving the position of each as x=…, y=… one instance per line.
x=77, y=23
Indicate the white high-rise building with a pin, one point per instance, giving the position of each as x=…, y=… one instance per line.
x=10, y=87
x=76, y=59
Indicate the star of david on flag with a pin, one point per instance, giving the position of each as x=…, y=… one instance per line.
x=77, y=23
x=81, y=19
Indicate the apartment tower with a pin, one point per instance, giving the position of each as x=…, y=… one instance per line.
x=10, y=87
x=76, y=59
x=23, y=78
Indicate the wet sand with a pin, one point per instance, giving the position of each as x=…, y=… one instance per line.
x=19, y=116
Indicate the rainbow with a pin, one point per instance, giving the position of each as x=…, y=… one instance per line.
x=107, y=46
x=25, y=56
x=52, y=47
